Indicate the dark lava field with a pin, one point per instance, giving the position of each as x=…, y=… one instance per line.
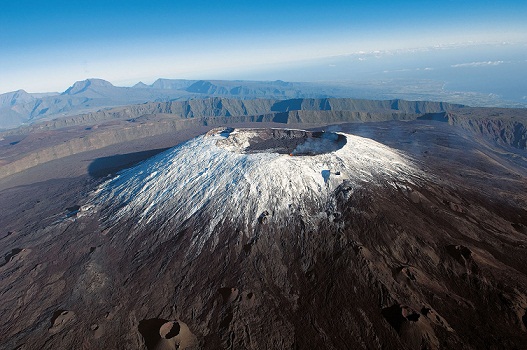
x=435, y=263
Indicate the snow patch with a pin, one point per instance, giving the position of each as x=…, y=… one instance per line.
x=207, y=175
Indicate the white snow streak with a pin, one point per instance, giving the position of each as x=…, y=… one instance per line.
x=198, y=175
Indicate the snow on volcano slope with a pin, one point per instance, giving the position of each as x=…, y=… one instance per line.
x=218, y=174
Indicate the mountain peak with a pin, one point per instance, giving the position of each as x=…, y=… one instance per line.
x=81, y=86
x=206, y=87
x=171, y=84
x=141, y=85
x=253, y=175
x=15, y=97
x=16, y=93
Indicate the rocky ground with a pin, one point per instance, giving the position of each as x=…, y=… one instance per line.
x=427, y=264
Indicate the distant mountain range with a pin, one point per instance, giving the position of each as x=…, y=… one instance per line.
x=20, y=107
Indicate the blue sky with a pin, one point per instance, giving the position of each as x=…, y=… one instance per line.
x=47, y=45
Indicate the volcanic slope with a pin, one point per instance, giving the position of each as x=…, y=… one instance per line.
x=279, y=238
x=229, y=178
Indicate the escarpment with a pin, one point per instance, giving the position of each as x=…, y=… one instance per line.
x=28, y=146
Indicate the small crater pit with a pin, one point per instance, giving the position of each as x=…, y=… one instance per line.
x=150, y=330
x=169, y=330
x=394, y=316
x=397, y=315
x=228, y=294
x=60, y=319
x=263, y=218
x=159, y=334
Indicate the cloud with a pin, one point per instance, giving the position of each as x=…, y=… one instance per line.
x=408, y=70
x=478, y=64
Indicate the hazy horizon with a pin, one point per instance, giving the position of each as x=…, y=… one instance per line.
x=46, y=46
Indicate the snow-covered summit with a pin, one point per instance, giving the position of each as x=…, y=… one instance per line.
x=244, y=175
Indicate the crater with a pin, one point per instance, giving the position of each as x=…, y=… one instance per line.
x=169, y=330
x=281, y=141
x=397, y=315
x=394, y=316
x=159, y=334
x=150, y=330
x=60, y=319
x=263, y=218
x=228, y=294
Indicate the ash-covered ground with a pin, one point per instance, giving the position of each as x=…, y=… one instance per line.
x=419, y=242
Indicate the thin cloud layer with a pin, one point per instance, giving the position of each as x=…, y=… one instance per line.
x=478, y=64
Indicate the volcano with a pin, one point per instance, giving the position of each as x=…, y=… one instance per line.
x=246, y=177
x=285, y=239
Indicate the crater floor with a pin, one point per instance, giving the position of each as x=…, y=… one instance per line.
x=282, y=141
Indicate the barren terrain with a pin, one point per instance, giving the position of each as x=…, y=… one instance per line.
x=435, y=263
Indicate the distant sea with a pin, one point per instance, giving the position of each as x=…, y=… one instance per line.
x=490, y=74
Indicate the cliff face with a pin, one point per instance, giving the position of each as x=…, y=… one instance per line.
x=96, y=130
x=511, y=131
x=216, y=107
x=91, y=95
